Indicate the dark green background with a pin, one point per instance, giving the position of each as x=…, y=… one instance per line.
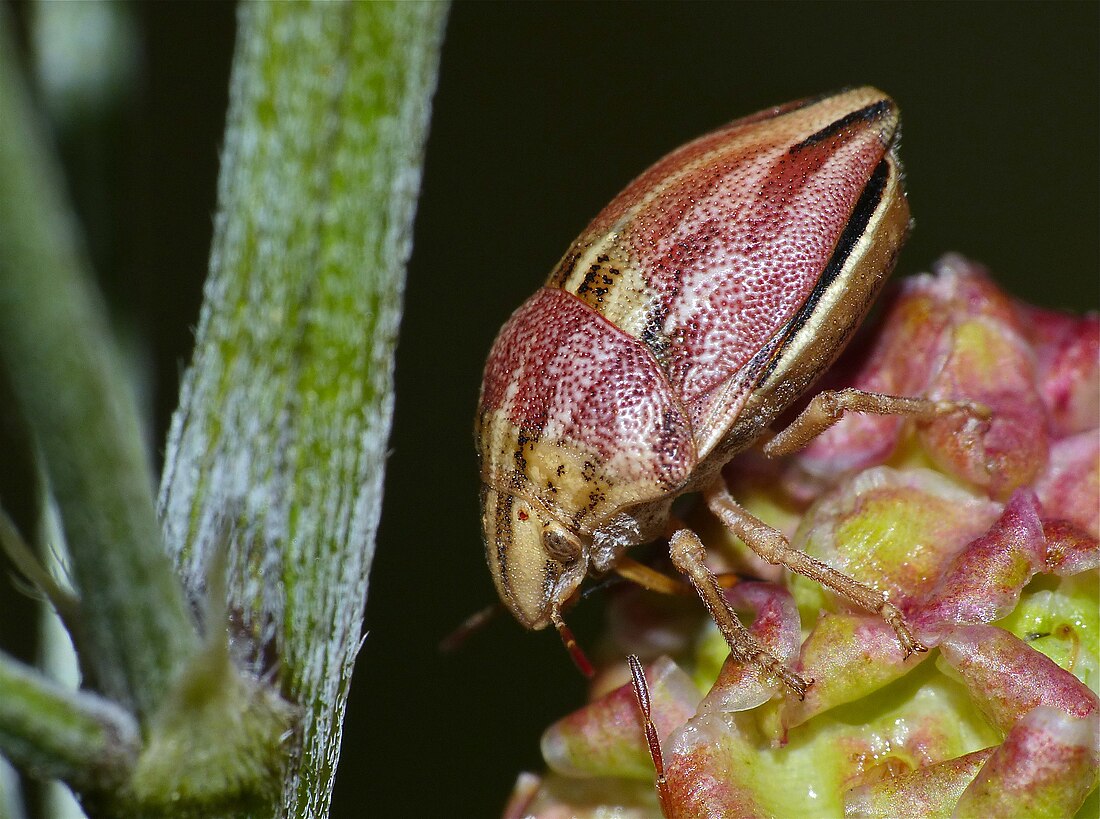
x=543, y=113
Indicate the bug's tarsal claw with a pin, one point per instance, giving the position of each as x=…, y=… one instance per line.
x=798, y=684
x=975, y=409
x=916, y=647
x=910, y=644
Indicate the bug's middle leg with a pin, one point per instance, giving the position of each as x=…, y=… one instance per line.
x=689, y=556
x=771, y=545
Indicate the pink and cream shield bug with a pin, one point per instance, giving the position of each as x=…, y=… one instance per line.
x=697, y=306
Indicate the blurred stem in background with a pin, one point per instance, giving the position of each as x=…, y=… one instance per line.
x=58, y=354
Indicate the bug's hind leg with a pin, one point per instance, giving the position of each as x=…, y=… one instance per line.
x=771, y=545
x=689, y=557
x=829, y=406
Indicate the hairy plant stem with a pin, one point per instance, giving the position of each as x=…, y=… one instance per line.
x=278, y=447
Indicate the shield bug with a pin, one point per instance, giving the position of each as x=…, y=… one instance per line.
x=695, y=308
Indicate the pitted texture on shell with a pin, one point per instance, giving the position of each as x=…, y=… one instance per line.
x=564, y=383
x=694, y=308
x=708, y=256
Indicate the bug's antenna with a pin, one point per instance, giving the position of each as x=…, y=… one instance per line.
x=471, y=625
x=580, y=659
x=641, y=693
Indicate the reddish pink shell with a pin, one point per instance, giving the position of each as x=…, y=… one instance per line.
x=656, y=325
x=557, y=363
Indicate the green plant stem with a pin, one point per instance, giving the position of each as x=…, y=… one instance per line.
x=54, y=732
x=279, y=444
x=59, y=355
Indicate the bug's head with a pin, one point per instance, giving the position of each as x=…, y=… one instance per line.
x=537, y=563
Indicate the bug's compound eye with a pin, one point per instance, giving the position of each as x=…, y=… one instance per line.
x=535, y=561
x=559, y=545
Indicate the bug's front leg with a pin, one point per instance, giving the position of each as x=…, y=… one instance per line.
x=829, y=406
x=771, y=545
x=689, y=556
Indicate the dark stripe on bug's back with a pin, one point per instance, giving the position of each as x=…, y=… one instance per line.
x=503, y=534
x=654, y=337
x=525, y=435
x=865, y=208
x=549, y=572
x=868, y=113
